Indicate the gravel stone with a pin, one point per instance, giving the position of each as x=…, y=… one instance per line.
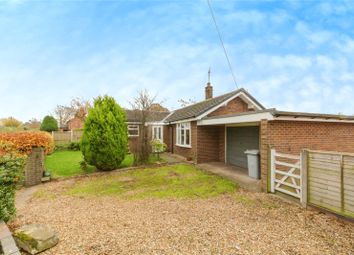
x=239, y=223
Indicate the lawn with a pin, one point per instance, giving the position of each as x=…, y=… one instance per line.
x=67, y=163
x=181, y=181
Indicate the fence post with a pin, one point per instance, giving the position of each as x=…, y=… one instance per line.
x=342, y=182
x=71, y=135
x=272, y=170
x=303, y=179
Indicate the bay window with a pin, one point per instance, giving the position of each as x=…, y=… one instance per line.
x=183, y=134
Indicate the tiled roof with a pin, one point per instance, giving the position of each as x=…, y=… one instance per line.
x=153, y=116
x=193, y=111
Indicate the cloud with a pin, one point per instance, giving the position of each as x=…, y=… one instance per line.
x=286, y=61
x=324, y=85
x=315, y=38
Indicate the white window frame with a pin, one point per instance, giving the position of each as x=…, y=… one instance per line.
x=181, y=131
x=154, y=128
x=133, y=127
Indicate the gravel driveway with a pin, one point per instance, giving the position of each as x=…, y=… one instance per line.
x=237, y=223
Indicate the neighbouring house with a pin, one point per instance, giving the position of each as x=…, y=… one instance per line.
x=222, y=128
x=75, y=123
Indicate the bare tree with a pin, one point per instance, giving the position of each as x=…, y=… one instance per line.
x=63, y=114
x=78, y=108
x=81, y=107
x=141, y=107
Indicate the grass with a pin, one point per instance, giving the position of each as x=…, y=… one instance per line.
x=67, y=163
x=178, y=181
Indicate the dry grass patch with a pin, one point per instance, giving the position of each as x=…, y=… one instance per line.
x=178, y=181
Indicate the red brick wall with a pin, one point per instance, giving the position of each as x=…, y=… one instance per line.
x=75, y=123
x=133, y=143
x=34, y=167
x=293, y=136
x=189, y=153
x=133, y=140
x=167, y=136
x=234, y=106
x=211, y=144
x=264, y=152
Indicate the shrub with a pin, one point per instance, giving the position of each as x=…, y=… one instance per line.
x=84, y=166
x=11, y=166
x=49, y=124
x=24, y=141
x=61, y=147
x=158, y=147
x=74, y=146
x=11, y=122
x=7, y=147
x=104, y=141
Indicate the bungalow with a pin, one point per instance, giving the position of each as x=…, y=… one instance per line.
x=222, y=128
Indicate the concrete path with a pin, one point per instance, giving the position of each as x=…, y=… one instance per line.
x=172, y=158
x=236, y=174
x=24, y=195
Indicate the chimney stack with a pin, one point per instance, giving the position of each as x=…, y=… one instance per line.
x=208, y=88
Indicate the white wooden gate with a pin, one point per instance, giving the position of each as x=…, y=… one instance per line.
x=286, y=174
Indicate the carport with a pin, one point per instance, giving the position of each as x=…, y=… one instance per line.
x=240, y=132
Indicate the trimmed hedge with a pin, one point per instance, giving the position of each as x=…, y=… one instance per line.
x=24, y=141
x=11, y=168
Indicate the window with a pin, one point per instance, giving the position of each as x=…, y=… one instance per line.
x=157, y=133
x=183, y=132
x=133, y=130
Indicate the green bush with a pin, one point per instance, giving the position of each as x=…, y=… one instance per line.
x=62, y=147
x=104, y=141
x=84, y=166
x=74, y=146
x=158, y=147
x=11, y=168
x=49, y=124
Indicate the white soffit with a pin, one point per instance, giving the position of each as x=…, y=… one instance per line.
x=246, y=118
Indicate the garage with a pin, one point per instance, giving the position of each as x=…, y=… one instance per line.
x=240, y=139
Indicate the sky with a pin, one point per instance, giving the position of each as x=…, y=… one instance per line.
x=290, y=55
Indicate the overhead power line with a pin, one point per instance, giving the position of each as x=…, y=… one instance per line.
x=222, y=42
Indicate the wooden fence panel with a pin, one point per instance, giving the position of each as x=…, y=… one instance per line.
x=331, y=181
x=76, y=136
x=65, y=137
x=348, y=183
